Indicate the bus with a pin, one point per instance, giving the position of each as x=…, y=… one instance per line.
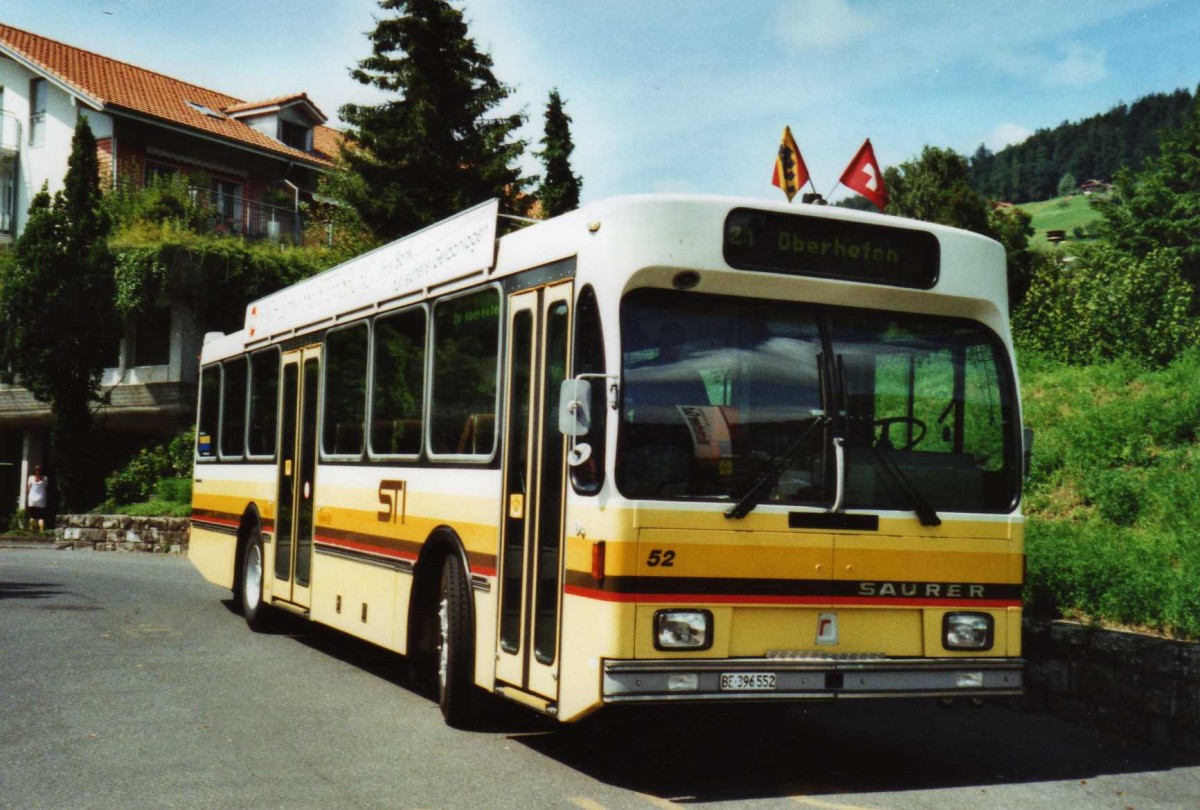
x=663, y=448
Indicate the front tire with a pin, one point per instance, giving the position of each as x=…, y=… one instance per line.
x=455, y=647
x=254, y=609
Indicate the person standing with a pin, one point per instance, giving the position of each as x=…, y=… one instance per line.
x=36, y=498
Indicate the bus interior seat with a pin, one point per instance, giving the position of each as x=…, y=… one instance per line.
x=348, y=438
x=390, y=436
x=477, y=434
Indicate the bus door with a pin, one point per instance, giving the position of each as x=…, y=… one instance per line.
x=534, y=478
x=297, y=468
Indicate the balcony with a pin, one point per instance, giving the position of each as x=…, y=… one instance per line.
x=10, y=135
x=223, y=213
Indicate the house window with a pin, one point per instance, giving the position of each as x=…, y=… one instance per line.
x=227, y=205
x=37, y=111
x=152, y=337
x=157, y=171
x=293, y=135
x=8, y=196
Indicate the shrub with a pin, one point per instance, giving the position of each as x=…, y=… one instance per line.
x=1095, y=570
x=1115, y=492
x=137, y=480
x=154, y=508
x=174, y=490
x=1108, y=304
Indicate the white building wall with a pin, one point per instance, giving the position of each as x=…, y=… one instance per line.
x=45, y=164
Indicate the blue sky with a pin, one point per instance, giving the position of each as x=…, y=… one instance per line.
x=693, y=96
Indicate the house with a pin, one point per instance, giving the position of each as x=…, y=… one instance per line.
x=1089, y=187
x=256, y=161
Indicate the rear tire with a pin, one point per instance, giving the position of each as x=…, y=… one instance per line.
x=457, y=695
x=254, y=609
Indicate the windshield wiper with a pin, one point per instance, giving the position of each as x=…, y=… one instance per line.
x=761, y=488
x=924, y=509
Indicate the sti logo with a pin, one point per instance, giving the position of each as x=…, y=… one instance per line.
x=827, y=628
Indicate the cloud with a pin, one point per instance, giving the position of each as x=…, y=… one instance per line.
x=823, y=25
x=1080, y=66
x=1006, y=134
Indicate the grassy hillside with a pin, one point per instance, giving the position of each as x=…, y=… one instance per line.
x=1114, y=498
x=1060, y=213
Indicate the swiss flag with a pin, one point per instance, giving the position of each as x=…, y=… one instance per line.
x=863, y=175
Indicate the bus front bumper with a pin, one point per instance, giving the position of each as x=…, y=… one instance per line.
x=820, y=678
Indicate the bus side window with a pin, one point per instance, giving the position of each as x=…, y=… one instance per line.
x=210, y=411
x=345, y=391
x=264, y=403
x=398, y=384
x=233, y=408
x=588, y=478
x=466, y=351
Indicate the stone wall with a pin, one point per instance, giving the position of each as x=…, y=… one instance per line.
x=122, y=533
x=1134, y=684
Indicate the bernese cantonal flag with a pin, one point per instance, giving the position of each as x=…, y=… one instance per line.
x=790, y=172
x=863, y=175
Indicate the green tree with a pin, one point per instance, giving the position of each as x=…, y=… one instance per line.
x=559, y=191
x=1011, y=227
x=1158, y=208
x=1067, y=185
x=56, y=315
x=437, y=145
x=936, y=188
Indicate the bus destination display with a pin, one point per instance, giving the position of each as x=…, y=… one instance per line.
x=829, y=248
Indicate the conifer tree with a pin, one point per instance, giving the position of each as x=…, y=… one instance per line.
x=58, y=326
x=559, y=191
x=437, y=146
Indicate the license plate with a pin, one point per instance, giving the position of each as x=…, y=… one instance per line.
x=748, y=681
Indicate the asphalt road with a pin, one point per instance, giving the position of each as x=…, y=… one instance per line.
x=127, y=682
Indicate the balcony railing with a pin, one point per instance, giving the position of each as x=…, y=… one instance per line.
x=232, y=214
x=10, y=134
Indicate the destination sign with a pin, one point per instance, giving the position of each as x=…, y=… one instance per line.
x=830, y=248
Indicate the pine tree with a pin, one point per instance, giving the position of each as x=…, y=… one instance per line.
x=438, y=146
x=559, y=191
x=57, y=319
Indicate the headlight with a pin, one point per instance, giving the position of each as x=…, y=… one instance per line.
x=967, y=631
x=682, y=630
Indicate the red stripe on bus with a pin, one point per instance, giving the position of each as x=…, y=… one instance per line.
x=219, y=521
x=819, y=601
x=381, y=551
x=937, y=603
x=736, y=599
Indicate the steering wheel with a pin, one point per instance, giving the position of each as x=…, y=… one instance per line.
x=885, y=434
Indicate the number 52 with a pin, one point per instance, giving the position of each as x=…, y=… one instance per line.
x=659, y=557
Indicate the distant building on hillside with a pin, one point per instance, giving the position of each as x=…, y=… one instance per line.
x=1095, y=187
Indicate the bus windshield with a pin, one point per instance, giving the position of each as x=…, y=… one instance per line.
x=717, y=391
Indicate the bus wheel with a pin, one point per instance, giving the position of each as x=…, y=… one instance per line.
x=455, y=647
x=253, y=608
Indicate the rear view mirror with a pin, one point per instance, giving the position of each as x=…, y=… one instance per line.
x=575, y=408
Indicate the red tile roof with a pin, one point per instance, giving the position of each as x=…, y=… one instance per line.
x=120, y=87
x=278, y=101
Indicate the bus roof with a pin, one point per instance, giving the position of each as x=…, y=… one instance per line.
x=463, y=249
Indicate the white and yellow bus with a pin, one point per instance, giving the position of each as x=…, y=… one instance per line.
x=662, y=448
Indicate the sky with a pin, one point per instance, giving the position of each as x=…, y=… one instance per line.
x=674, y=96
